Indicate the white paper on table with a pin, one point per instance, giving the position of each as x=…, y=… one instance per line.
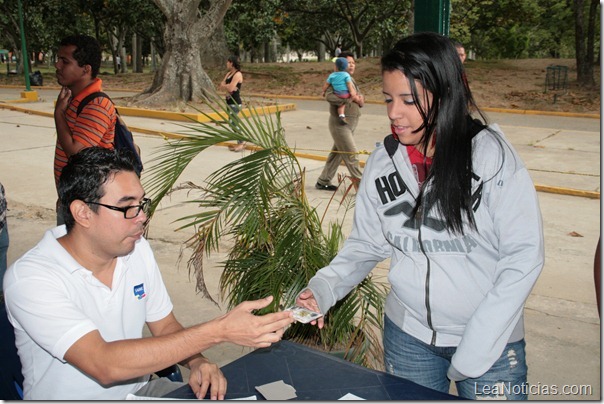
x=350, y=397
x=143, y=398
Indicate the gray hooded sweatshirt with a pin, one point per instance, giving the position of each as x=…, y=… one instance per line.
x=447, y=289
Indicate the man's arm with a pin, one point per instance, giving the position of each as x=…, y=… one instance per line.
x=110, y=362
x=68, y=143
x=93, y=126
x=169, y=325
x=204, y=374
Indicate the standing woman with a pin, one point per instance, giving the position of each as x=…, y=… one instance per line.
x=450, y=202
x=232, y=85
x=344, y=148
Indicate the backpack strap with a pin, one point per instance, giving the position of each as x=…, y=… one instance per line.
x=89, y=98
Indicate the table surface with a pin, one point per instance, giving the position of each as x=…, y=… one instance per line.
x=315, y=375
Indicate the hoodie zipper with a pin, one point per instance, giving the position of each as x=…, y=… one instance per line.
x=420, y=213
x=391, y=144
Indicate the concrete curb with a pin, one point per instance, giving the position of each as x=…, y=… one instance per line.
x=189, y=117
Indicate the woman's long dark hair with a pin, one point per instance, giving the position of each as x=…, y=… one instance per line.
x=234, y=59
x=431, y=59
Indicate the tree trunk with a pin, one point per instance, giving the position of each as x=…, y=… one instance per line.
x=584, y=44
x=321, y=52
x=591, y=33
x=267, y=52
x=181, y=77
x=137, y=54
x=215, y=51
x=123, y=60
x=117, y=38
x=153, y=56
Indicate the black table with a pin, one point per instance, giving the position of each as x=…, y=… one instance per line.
x=315, y=375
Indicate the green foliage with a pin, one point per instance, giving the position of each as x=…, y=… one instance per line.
x=258, y=203
x=350, y=22
x=489, y=28
x=46, y=22
x=250, y=23
x=514, y=28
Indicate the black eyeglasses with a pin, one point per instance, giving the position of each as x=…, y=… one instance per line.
x=130, y=212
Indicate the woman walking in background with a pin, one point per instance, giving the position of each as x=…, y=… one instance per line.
x=232, y=85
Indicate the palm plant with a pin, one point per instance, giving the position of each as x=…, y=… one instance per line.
x=278, y=240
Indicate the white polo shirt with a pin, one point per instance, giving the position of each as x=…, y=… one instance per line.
x=52, y=301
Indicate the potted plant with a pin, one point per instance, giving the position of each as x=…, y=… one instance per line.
x=278, y=239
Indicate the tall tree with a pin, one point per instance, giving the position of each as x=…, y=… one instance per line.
x=45, y=23
x=181, y=76
x=553, y=36
x=112, y=20
x=215, y=51
x=9, y=22
x=584, y=44
x=251, y=24
x=362, y=17
x=495, y=29
x=354, y=19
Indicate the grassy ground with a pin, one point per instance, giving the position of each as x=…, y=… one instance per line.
x=512, y=84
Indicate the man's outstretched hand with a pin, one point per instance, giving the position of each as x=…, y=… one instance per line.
x=241, y=327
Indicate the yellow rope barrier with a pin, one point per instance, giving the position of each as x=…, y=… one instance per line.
x=564, y=172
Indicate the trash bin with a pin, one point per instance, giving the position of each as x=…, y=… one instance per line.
x=36, y=78
x=556, y=78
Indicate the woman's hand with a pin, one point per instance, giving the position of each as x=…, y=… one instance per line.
x=307, y=299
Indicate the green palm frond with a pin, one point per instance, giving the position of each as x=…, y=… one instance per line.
x=277, y=240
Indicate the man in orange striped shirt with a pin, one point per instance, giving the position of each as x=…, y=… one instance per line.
x=77, y=67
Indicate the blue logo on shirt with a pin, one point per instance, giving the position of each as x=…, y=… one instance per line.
x=139, y=291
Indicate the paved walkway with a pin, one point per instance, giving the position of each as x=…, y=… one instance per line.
x=562, y=154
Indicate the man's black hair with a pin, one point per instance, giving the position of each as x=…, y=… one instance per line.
x=84, y=177
x=87, y=51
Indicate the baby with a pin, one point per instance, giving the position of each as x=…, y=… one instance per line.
x=343, y=88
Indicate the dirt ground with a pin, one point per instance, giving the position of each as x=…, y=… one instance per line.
x=511, y=84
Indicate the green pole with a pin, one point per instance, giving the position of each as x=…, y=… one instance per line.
x=25, y=57
x=432, y=15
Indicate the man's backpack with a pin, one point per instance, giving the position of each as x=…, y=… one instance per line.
x=123, y=136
